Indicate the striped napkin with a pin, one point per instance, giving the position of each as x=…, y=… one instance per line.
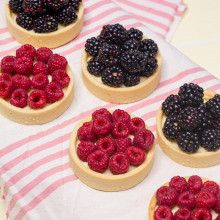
x=36, y=179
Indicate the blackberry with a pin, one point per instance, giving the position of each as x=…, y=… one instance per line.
x=130, y=45
x=188, y=142
x=45, y=24
x=205, y=116
x=93, y=45
x=25, y=21
x=56, y=4
x=189, y=119
x=150, y=67
x=16, y=6
x=114, y=33
x=113, y=76
x=133, y=61
x=210, y=139
x=170, y=129
x=66, y=15
x=134, y=34
x=191, y=95
x=95, y=67
x=172, y=105
x=216, y=124
x=131, y=80
x=213, y=105
x=34, y=7
x=75, y=3
x=109, y=54
x=149, y=46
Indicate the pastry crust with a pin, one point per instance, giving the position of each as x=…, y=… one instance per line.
x=198, y=159
x=122, y=94
x=153, y=202
x=54, y=39
x=30, y=116
x=107, y=182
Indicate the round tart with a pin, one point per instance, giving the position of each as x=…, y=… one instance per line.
x=201, y=158
x=54, y=39
x=107, y=181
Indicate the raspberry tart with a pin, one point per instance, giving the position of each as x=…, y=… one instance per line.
x=111, y=151
x=121, y=66
x=187, y=198
x=36, y=86
x=188, y=126
x=44, y=22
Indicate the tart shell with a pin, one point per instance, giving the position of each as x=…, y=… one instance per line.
x=120, y=95
x=30, y=116
x=153, y=202
x=52, y=39
x=104, y=182
x=199, y=159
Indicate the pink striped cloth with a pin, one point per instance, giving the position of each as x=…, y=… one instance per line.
x=35, y=176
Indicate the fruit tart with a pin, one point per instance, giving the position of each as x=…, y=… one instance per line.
x=186, y=198
x=121, y=66
x=44, y=22
x=188, y=126
x=36, y=86
x=111, y=151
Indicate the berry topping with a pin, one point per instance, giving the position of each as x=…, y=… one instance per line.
x=166, y=196
x=143, y=139
x=186, y=200
x=199, y=214
x=7, y=77
x=120, y=130
x=61, y=77
x=56, y=62
x=119, y=163
x=43, y=54
x=217, y=205
x=149, y=46
x=130, y=45
x=205, y=200
x=195, y=184
x=102, y=126
x=182, y=214
x=150, y=67
x=53, y=92
x=136, y=124
x=75, y=3
x=98, y=161
x=121, y=115
x=16, y=5
x=24, y=66
x=163, y=212
x=95, y=67
x=93, y=46
x=66, y=15
x=107, y=145
x=84, y=149
x=19, y=98
x=7, y=64
x=56, y=4
x=135, y=155
x=213, y=105
x=211, y=186
x=122, y=144
x=131, y=80
x=37, y=99
x=134, y=34
x=40, y=81
x=21, y=82
x=86, y=132
x=25, y=21
x=5, y=89
x=40, y=68
x=26, y=50
x=34, y=7
x=179, y=184
x=102, y=112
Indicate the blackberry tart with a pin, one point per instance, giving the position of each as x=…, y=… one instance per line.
x=44, y=22
x=128, y=66
x=186, y=127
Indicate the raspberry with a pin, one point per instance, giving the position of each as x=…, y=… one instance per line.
x=202, y=214
x=43, y=54
x=26, y=50
x=53, y=92
x=121, y=115
x=56, y=62
x=40, y=68
x=122, y=144
x=61, y=77
x=102, y=112
x=163, y=213
x=19, y=98
x=211, y=186
x=135, y=155
x=195, y=184
x=86, y=132
x=37, y=99
x=7, y=64
x=119, y=163
x=166, y=196
x=143, y=139
x=217, y=205
x=21, y=82
x=24, y=66
x=179, y=184
x=120, y=130
x=107, y=145
x=135, y=125
x=102, y=126
x=187, y=200
x=7, y=77
x=5, y=89
x=218, y=217
x=205, y=200
x=84, y=149
x=98, y=161
x=40, y=81
x=182, y=214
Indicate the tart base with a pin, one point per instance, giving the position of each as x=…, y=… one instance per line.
x=199, y=159
x=104, y=182
x=50, y=40
x=30, y=116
